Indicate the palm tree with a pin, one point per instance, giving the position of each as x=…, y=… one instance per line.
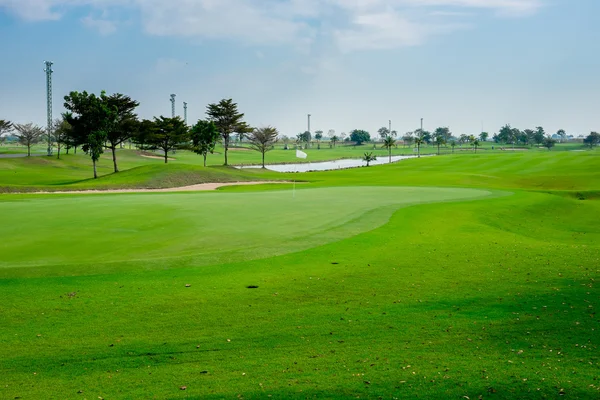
x=368, y=157
x=419, y=141
x=388, y=143
x=334, y=139
x=475, y=144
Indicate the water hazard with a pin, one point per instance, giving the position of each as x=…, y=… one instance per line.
x=328, y=165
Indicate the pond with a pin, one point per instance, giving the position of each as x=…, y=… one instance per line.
x=328, y=165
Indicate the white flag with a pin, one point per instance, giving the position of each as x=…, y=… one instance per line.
x=301, y=154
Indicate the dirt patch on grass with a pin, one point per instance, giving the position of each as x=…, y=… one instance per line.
x=157, y=157
x=239, y=149
x=191, y=188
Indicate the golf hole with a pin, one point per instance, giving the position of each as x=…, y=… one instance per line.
x=252, y=287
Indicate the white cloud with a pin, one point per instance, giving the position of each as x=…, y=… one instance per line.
x=104, y=26
x=352, y=24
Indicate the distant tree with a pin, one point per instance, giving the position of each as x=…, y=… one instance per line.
x=304, y=137
x=343, y=136
x=483, y=136
x=453, y=145
x=319, y=137
x=228, y=120
x=334, y=139
x=123, y=127
x=549, y=142
x=540, y=135
x=419, y=142
x=5, y=127
x=530, y=134
x=383, y=132
x=360, y=136
x=330, y=133
x=28, y=135
x=286, y=141
x=439, y=138
x=593, y=139
x=562, y=135
x=62, y=134
x=204, y=135
x=368, y=157
x=388, y=143
x=168, y=134
x=443, y=132
x=462, y=139
x=90, y=118
x=262, y=140
x=504, y=135
x=394, y=133
x=475, y=143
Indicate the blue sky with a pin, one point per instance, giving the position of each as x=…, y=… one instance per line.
x=349, y=63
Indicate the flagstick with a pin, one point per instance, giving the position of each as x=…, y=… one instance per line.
x=294, y=191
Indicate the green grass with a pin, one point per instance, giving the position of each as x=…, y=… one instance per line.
x=444, y=277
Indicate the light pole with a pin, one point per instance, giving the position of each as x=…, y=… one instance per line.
x=49, y=72
x=390, y=127
x=173, y=106
x=185, y=112
x=308, y=123
x=421, y=128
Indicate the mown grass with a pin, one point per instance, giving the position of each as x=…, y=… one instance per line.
x=493, y=297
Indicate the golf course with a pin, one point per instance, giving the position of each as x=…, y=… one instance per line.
x=460, y=276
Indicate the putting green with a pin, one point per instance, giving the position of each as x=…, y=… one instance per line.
x=82, y=234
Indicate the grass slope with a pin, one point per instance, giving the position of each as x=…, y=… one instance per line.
x=493, y=297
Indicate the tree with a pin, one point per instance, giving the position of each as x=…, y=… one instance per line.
x=462, y=139
x=418, y=142
x=368, y=157
x=549, y=142
x=539, y=136
x=5, y=127
x=474, y=143
x=318, y=136
x=304, y=137
x=334, y=139
x=262, y=140
x=204, y=137
x=28, y=135
x=504, y=135
x=228, y=120
x=90, y=118
x=439, y=137
x=443, y=132
x=359, y=136
x=483, y=136
x=530, y=133
x=453, y=145
x=62, y=132
x=593, y=139
x=384, y=132
x=562, y=134
x=124, y=125
x=169, y=134
x=388, y=143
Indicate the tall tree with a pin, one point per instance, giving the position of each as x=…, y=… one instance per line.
x=28, y=135
x=5, y=127
x=483, y=136
x=439, y=139
x=530, y=133
x=125, y=122
x=368, y=157
x=504, y=135
x=549, y=142
x=334, y=139
x=388, y=143
x=360, y=136
x=593, y=139
x=228, y=120
x=383, y=132
x=418, y=142
x=169, y=134
x=443, y=132
x=540, y=135
x=408, y=138
x=204, y=138
x=474, y=143
x=90, y=118
x=262, y=140
x=62, y=132
x=318, y=136
x=562, y=135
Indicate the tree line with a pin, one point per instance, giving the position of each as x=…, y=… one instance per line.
x=96, y=123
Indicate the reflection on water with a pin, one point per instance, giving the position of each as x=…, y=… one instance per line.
x=328, y=165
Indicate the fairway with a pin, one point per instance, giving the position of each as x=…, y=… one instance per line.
x=98, y=233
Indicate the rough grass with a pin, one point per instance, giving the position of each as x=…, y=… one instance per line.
x=494, y=297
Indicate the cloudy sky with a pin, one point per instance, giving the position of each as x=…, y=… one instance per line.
x=349, y=63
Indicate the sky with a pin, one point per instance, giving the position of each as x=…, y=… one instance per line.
x=351, y=64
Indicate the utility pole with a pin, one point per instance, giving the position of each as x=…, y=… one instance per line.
x=173, y=106
x=185, y=112
x=308, y=123
x=390, y=128
x=49, y=72
x=421, y=135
